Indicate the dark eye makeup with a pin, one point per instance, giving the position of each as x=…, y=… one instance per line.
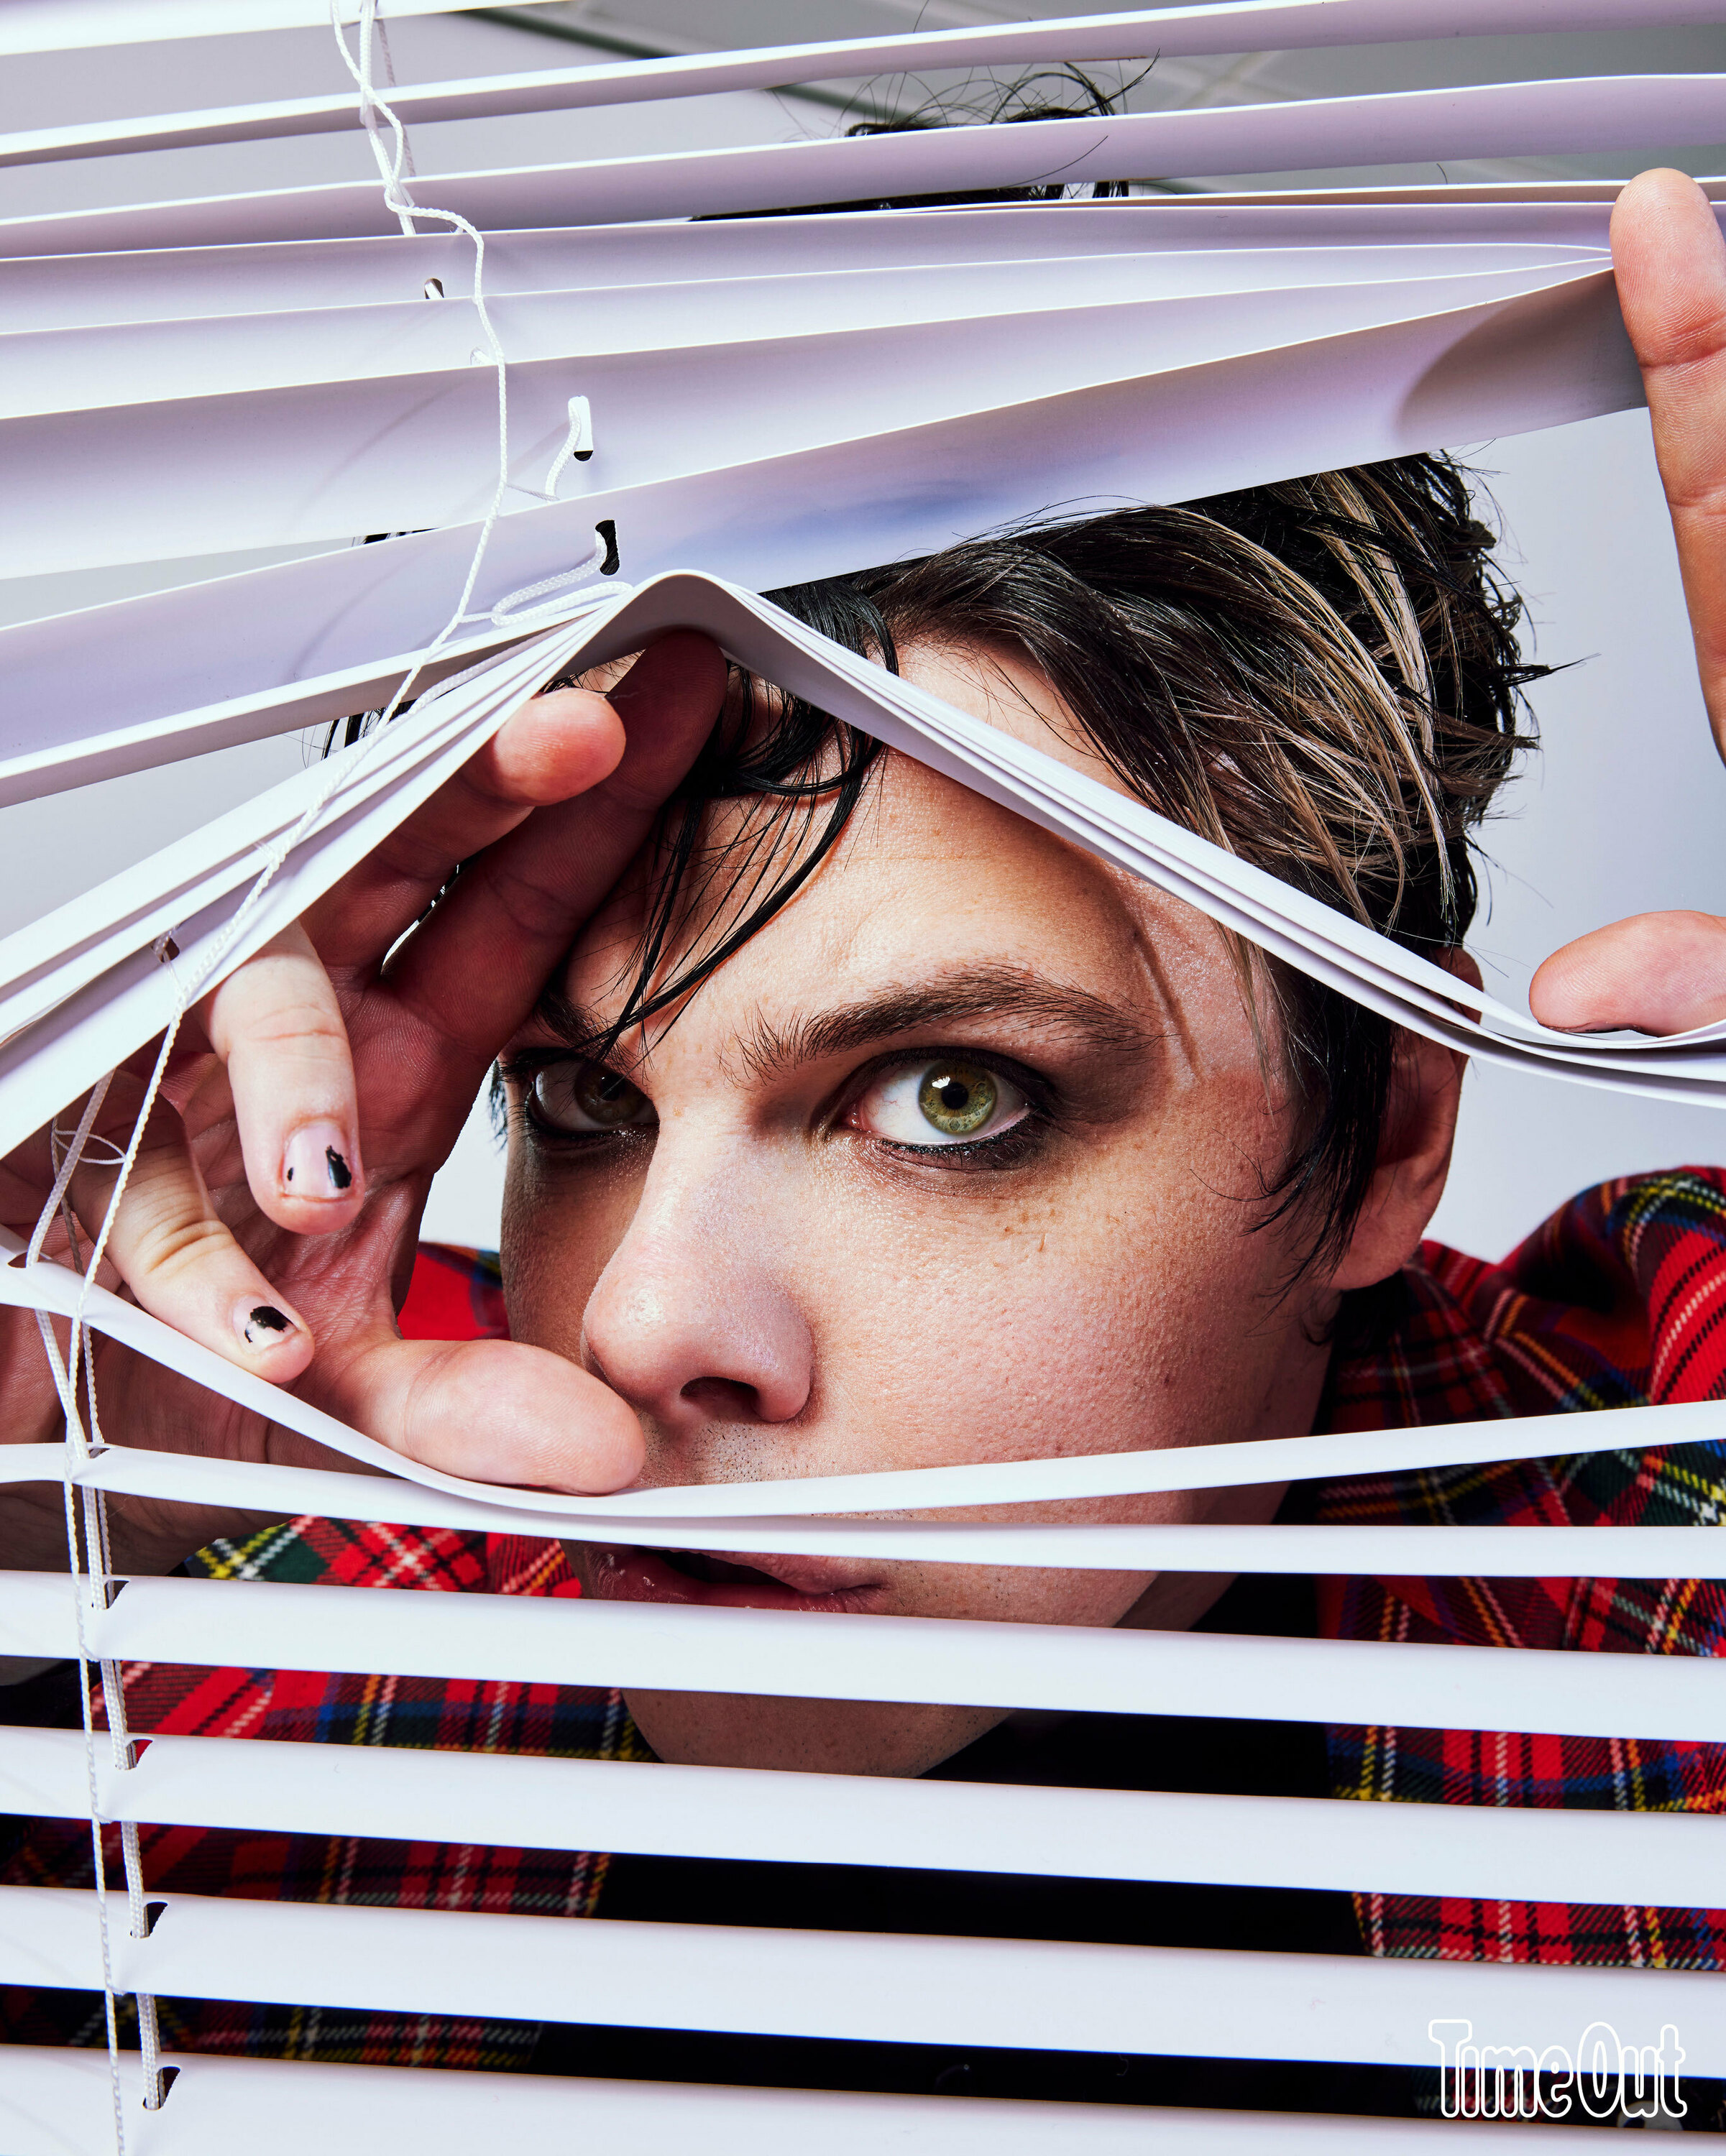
x=569, y=1099
x=958, y=1109
x=950, y=1108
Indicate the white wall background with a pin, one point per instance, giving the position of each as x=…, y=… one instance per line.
x=1623, y=811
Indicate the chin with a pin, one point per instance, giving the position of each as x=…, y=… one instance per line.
x=809, y=1736
x=803, y=1736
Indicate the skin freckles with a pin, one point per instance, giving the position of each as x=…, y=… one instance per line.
x=780, y=1285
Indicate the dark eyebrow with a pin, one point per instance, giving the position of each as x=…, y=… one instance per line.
x=968, y=993
x=574, y=1026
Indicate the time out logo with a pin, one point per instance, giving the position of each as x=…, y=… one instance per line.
x=1603, y=2077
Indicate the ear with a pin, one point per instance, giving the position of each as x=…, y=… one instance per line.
x=1414, y=1143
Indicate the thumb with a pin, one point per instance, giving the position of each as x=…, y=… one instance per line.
x=1656, y=972
x=1671, y=265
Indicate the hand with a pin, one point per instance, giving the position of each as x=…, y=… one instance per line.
x=275, y=1207
x=1665, y=972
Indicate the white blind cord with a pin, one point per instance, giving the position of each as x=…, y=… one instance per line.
x=89, y=1574
x=393, y=166
x=94, y=1575
x=67, y=1155
x=551, y=594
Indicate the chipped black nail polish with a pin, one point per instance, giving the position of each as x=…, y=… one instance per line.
x=263, y=1322
x=314, y=1165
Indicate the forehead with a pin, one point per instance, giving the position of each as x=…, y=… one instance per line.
x=927, y=876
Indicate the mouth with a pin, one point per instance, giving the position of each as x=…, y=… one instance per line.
x=625, y=1573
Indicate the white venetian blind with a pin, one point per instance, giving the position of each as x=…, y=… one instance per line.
x=555, y=384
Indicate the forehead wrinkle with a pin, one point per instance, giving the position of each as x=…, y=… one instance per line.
x=768, y=1050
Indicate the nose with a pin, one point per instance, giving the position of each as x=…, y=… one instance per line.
x=694, y=1318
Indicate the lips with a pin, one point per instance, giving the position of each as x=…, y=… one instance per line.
x=622, y=1573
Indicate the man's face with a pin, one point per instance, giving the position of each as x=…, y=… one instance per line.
x=956, y=1160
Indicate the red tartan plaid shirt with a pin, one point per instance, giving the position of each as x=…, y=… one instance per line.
x=1619, y=1299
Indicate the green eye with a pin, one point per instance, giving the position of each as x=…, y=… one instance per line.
x=956, y=1099
x=934, y=1102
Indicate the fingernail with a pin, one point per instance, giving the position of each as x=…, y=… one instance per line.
x=316, y=1163
x=261, y=1324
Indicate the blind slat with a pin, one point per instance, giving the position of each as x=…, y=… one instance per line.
x=1259, y=26
x=141, y=662
x=201, y=352
x=70, y=26
x=503, y=1801
x=39, y=293
x=1489, y=1551
x=353, y=606
x=85, y=987
x=58, y=2105
x=257, y=1486
x=1573, y=115
x=876, y=1987
x=663, y=1647
x=189, y=462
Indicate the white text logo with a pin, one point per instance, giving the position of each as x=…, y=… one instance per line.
x=1603, y=2077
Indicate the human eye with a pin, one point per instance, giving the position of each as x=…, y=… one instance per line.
x=941, y=1103
x=575, y=1098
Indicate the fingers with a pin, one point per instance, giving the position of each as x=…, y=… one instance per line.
x=555, y=748
x=275, y=1023
x=1671, y=265
x=473, y=971
x=1657, y=973
x=668, y=701
x=490, y=1410
x=177, y=1256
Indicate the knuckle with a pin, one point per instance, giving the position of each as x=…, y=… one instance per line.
x=166, y=1249
x=531, y=906
x=1687, y=343
x=304, y=1025
x=278, y=991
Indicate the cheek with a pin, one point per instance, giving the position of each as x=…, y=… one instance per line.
x=558, y=1233
x=1125, y=1303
